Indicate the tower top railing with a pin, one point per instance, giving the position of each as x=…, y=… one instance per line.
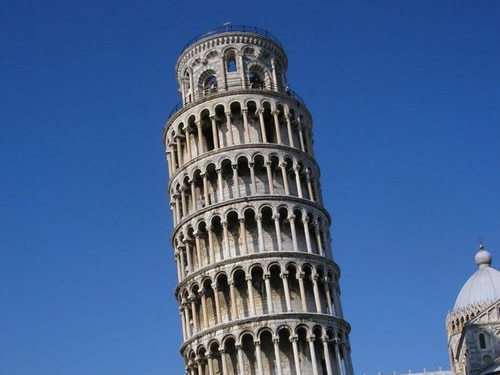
x=208, y=92
x=232, y=29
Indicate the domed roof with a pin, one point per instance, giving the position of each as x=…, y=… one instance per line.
x=483, y=286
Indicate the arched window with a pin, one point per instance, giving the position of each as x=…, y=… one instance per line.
x=256, y=81
x=482, y=341
x=230, y=62
x=210, y=85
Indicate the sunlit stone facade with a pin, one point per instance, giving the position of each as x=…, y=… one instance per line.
x=258, y=287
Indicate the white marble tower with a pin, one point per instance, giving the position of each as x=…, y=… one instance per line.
x=258, y=286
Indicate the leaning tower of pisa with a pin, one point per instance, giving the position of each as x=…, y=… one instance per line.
x=258, y=287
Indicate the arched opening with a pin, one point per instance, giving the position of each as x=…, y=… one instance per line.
x=267, y=349
x=259, y=291
x=277, y=292
x=286, y=352
x=241, y=294
x=224, y=298
x=252, y=235
x=305, y=357
x=269, y=230
x=231, y=356
x=233, y=228
x=230, y=58
x=245, y=181
x=237, y=123
x=249, y=359
x=261, y=181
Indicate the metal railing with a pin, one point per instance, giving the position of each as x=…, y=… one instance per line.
x=232, y=28
x=210, y=91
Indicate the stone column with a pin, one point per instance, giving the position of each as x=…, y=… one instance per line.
x=312, y=349
x=210, y=359
x=276, y=219
x=300, y=277
x=205, y=189
x=186, y=318
x=267, y=281
x=260, y=111
x=276, y=341
x=169, y=164
x=227, y=249
x=284, y=175
x=219, y=184
x=243, y=234
x=258, y=356
x=338, y=359
x=203, y=294
x=200, y=137
x=269, y=177
x=293, y=340
x=328, y=295
x=259, y=231
x=309, y=185
x=250, y=295
x=316, y=293
x=240, y=360
x=244, y=112
x=288, y=117
x=326, y=353
x=188, y=142
x=305, y=222
x=234, y=310
x=284, y=278
x=347, y=360
x=183, y=322
x=178, y=265
x=177, y=208
x=193, y=314
x=291, y=220
x=236, y=180
x=197, y=243
x=179, y=151
x=229, y=126
x=241, y=69
x=183, y=200
x=215, y=133
x=217, y=304
x=189, y=259
x=301, y=137
x=317, y=231
x=273, y=70
x=252, y=178
x=224, y=364
x=183, y=265
x=277, y=126
x=211, y=249
x=297, y=180
x=193, y=195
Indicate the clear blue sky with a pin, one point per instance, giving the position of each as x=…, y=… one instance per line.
x=406, y=101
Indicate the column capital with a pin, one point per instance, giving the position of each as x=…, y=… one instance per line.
x=294, y=338
x=276, y=339
x=244, y=110
x=235, y=166
x=212, y=117
x=248, y=278
x=267, y=276
x=241, y=220
x=310, y=339
x=256, y=342
x=284, y=275
x=228, y=113
x=276, y=112
x=260, y=110
x=238, y=346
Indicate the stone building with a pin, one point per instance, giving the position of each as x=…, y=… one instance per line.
x=473, y=326
x=258, y=286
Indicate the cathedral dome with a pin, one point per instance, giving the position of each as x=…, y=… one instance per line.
x=483, y=286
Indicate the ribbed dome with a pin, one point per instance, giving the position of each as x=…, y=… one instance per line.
x=483, y=286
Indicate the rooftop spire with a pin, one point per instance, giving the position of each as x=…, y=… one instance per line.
x=483, y=257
